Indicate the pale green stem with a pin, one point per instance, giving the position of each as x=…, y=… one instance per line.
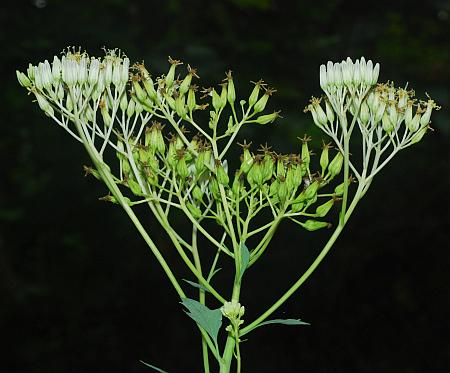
x=202, y=299
x=309, y=271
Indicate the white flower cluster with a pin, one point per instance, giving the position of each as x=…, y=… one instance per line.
x=77, y=71
x=348, y=74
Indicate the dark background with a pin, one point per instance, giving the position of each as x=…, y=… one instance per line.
x=79, y=290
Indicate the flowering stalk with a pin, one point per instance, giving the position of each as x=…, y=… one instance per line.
x=146, y=123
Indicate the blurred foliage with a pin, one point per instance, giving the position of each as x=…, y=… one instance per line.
x=80, y=292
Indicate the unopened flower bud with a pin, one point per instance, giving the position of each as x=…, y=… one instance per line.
x=324, y=159
x=323, y=209
x=94, y=68
x=330, y=73
x=194, y=210
x=311, y=191
x=268, y=118
x=364, y=113
x=191, y=101
x=108, y=71
x=130, y=108
x=181, y=167
x=419, y=135
x=367, y=77
x=231, y=93
x=313, y=225
x=335, y=165
x=222, y=176
x=140, y=93
x=216, y=101
x=330, y=112
x=323, y=77
x=23, y=79
x=375, y=72
x=387, y=124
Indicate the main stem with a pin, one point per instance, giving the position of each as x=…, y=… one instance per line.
x=225, y=363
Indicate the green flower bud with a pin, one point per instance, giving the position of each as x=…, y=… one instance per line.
x=170, y=77
x=171, y=101
x=290, y=179
x=135, y=187
x=364, y=113
x=388, y=126
x=335, y=165
x=324, y=159
x=311, y=191
x=415, y=122
x=216, y=101
x=23, y=79
x=329, y=111
x=380, y=112
x=339, y=190
x=393, y=114
x=237, y=184
x=427, y=115
x=221, y=175
x=200, y=165
x=255, y=92
x=321, y=116
x=313, y=225
x=214, y=188
x=223, y=95
x=262, y=102
x=197, y=193
x=418, y=135
x=149, y=88
x=172, y=157
x=268, y=118
x=282, y=190
x=191, y=102
x=140, y=93
x=184, y=86
x=181, y=168
x=268, y=166
x=273, y=189
x=180, y=107
x=297, y=175
x=231, y=93
x=306, y=157
x=130, y=108
x=194, y=210
x=124, y=102
x=255, y=174
x=323, y=209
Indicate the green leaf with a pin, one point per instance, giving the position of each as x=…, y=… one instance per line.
x=282, y=321
x=210, y=320
x=153, y=367
x=245, y=258
x=196, y=285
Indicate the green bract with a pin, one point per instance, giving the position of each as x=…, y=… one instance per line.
x=169, y=161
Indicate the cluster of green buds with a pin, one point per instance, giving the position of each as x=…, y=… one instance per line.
x=233, y=311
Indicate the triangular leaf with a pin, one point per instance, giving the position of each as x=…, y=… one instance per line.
x=153, y=367
x=245, y=259
x=210, y=320
x=196, y=285
x=282, y=321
